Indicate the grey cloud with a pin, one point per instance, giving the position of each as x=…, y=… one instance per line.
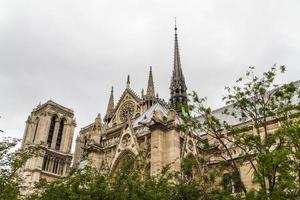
x=73, y=51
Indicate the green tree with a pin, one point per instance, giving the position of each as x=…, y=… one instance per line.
x=273, y=157
x=259, y=100
x=128, y=182
x=10, y=163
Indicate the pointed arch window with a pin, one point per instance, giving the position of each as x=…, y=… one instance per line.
x=51, y=131
x=126, y=161
x=60, y=134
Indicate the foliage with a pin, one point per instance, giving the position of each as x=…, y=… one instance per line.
x=127, y=182
x=273, y=156
x=10, y=162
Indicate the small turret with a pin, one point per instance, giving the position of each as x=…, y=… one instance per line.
x=98, y=122
x=97, y=130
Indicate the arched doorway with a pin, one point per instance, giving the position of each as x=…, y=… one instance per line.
x=124, y=162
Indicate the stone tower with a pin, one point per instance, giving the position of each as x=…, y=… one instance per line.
x=177, y=87
x=49, y=127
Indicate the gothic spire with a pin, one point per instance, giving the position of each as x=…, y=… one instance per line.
x=110, y=107
x=177, y=73
x=150, y=88
x=177, y=86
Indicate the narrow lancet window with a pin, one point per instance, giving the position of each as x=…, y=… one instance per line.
x=51, y=131
x=59, y=135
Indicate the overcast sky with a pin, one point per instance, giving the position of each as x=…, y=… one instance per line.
x=73, y=51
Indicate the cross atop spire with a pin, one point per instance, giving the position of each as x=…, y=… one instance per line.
x=177, y=86
x=150, y=88
x=110, y=106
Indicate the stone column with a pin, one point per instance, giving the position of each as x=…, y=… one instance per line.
x=157, y=151
x=43, y=129
x=70, y=136
x=25, y=134
x=172, y=150
x=66, y=168
x=39, y=162
x=77, y=153
x=51, y=163
x=65, y=138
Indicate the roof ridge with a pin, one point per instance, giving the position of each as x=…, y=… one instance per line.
x=53, y=103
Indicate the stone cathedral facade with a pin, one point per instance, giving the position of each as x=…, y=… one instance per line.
x=139, y=123
x=133, y=124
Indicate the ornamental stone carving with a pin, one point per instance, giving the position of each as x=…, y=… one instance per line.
x=190, y=145
x=127, y=111
x=126, y=140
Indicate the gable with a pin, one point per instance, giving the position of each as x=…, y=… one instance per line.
x=129, y=100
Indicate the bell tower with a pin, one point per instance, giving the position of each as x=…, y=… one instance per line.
x=50, y=128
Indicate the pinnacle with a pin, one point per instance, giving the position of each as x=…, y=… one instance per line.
x=110, y=106
x=150, y=88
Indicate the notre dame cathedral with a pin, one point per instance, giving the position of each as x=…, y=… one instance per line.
x=130, y=125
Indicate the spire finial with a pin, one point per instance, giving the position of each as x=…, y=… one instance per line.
x=175, y=28
x=128, y=81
